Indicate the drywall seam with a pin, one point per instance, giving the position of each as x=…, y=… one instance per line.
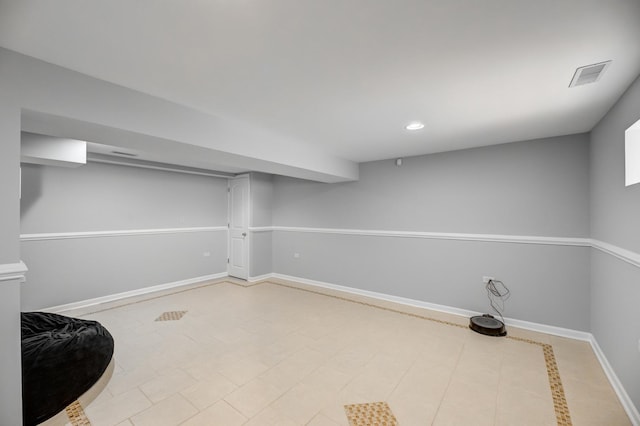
x=116, y=233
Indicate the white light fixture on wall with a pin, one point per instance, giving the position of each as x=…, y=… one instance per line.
x=415, y=125
x=632, y=154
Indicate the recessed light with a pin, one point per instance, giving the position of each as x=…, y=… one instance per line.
x=416, y=125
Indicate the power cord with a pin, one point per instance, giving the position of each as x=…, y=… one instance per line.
x=498, y=293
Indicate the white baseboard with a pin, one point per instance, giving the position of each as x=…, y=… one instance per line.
x=260, y=278
x=623, y=396
x=542, y=328
x=137, y=292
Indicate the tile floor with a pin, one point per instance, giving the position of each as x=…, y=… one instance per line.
x=274, y=354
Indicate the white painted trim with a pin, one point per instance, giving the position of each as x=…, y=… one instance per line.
x=494, y=238
x=261, y=229
x=260, y=278
x=618, y=252
x=138, y=292
x=623, y=396
x=118, y=233
x=615, y=251
x=13, y=271
x=541, y=328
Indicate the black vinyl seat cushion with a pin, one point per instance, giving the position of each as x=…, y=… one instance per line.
x=62, y=358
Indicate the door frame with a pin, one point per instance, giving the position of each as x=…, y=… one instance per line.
x=249, y=222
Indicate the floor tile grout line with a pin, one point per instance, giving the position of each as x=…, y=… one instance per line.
x=555, y=383
x=435, y=416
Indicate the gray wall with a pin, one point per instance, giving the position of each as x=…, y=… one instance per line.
x=535, y=188
x=261, y=215
x=100, y=197
x=615, y=209
x=10, y=350
x=529, y=188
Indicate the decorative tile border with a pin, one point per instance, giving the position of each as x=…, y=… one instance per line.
x=171, y=316
x=371, y=413
x=76, y=415
x=555, y=383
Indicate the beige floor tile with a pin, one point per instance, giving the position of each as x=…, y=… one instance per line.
x=167, y=384
x=242, y=371
x=117, y=409
x=322, y=420
x=467, y=403
x=220, y=413
x=168, y=412
x=299, y=356
x=130, y=379
x=208, y=391
x=517, y=406
x=302, y=402
x=270, y=417
x=125, y=423
x=253, y=397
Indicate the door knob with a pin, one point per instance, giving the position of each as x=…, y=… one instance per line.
x=244, y=234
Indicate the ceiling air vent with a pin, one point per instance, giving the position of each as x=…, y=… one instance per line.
x=589, y=73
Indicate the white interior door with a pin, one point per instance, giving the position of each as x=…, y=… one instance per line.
x=239, y=227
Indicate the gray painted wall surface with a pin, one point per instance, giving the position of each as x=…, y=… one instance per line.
x=447, y=272
x=526, y=188
x=615, y=285
x=65, y=271
x=107, y=197
x=261, y=215
x=261, y=254
x=261, y=199
x=536, y=187
x=10, y=349
x=98, y=197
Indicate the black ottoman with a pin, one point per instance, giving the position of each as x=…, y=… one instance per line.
x=62, y=358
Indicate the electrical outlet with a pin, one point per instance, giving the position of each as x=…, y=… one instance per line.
x=206, y=254
x=487, y=279
x=296, y=255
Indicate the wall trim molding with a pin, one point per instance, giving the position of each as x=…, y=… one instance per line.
x=623, y=396
x=116, y=233
x=618, y=252
x=613, y=250
x=13, y=271
x=494, y=238
x=261, y=229
x=138, y=292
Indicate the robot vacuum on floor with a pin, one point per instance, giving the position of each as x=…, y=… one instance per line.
x=486, y=324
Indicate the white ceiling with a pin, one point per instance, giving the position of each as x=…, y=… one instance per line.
x=348, y=75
